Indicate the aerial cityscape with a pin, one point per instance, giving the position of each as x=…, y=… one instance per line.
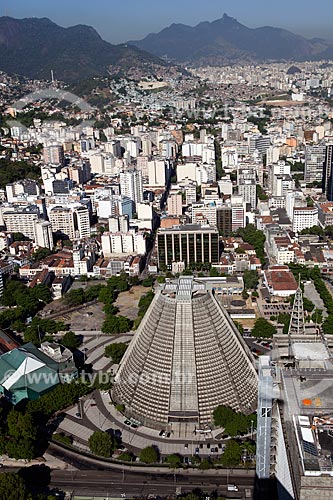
x=166, y=251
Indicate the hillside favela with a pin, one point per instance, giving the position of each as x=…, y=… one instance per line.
x=166, y=250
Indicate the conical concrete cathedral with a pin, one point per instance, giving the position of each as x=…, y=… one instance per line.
x=186, y=358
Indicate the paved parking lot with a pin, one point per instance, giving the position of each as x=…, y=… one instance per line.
x=311, y=294
x=275, y=309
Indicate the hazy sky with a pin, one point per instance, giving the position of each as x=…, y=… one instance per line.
x=120, y=20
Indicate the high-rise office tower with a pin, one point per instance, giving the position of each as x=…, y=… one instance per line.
x=189, y=243
x=314, y=162
x=328, y=173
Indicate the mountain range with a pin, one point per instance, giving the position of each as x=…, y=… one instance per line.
x=32, y=47
x=226, y=41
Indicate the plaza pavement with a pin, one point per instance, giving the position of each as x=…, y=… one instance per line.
x=99, y=413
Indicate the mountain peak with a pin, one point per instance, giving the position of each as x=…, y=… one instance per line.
x=228, y=19
x=31, y=47
x=226, y=40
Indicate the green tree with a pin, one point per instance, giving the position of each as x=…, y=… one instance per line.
x=74, y=297
x=71, y=341
x=174, y=460
x=115, y=351
x=261, y=195
x=144, y=303
x=19, y=237
x=329, y=231
x=110, y=309
x=205, y=464
x=40, y=254
x=102, y=444
x=251, y=280
x=118, y=283
x=61, y=397
x=284, y=319
x=149, y=455
x=314, y=230
x=92, y=293
x=148, y=282
x=239, y=327
x=12, y=171
x=22, y=435
x=308, y=305
x=222, y=415
x=232, y=454
x=42, y=293
x=263, y=328
x=214, y=273
x=12, y=487
x=255, y=238
x=63, y=438
x=106, y=295
x=126, y=457
x=116, y=324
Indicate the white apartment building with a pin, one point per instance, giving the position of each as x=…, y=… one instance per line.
x=304, y=217
x=43, y=231
x=156, y=173
x=175, y=204
x=191, y=193
x=21, y=221
x=247, y=188
x=238, y=216
x=202, y=211
x=282, y=184
x=285, y=256
x=18, y=189
x=225, y=185
x=119, y=224
x=142, y=165
x=72, y=221
x=145, y=211
x=294, y=199
x=279, y=168
x=123, y=244
x=187, y=171
x=131, y=185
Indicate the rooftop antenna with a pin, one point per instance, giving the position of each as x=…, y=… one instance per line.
x=52, y=76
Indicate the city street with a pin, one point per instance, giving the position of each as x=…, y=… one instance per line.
x=127, y=485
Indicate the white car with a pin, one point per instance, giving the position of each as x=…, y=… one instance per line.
x=232, y=487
